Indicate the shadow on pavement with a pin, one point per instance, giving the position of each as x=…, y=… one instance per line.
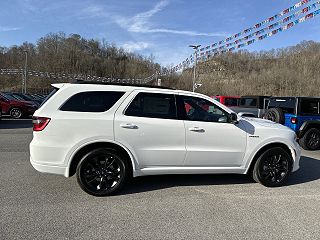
x=151, y=183
x=15, y=124
x=309, y=171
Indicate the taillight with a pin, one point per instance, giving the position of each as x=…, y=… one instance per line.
x=294, y=120
x=39, y=123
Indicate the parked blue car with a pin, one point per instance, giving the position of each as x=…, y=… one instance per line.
x=301, y=114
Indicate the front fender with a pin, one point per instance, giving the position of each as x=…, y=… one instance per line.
x=251, y=153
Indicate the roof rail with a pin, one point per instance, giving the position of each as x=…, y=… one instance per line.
x=120, y=84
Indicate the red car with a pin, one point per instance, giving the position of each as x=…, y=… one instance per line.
x=229, y=101
x=16, y=108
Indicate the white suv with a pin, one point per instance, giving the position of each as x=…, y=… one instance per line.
x=106, y=134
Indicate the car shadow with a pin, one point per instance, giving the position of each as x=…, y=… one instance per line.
x=15, y=124
x=309, y=171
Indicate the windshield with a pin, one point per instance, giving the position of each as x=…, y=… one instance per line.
x=18, y=97
x=7, y=96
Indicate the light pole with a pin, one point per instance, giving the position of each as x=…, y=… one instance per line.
x=195, y=47
x=24, y=86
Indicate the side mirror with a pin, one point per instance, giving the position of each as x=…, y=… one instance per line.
x=233, y=118
x=246, y=114
x=223, y=119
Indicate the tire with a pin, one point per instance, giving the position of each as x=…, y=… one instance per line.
x=102, y=172
x=275, y=115
x=310, y=140
x=273, y=167
x=16, y=113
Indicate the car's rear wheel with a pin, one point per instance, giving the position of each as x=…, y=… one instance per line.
x=16, y=113
x=311, y=140
x=275, y=115
x=273, y=167
x=102, y=172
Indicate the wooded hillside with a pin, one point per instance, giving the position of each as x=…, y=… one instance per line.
x=59, y=53
x=288, y=71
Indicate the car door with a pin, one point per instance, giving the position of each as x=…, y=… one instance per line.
x=147, y=124
x=211, y=141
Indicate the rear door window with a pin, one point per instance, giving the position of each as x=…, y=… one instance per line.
x=95, y=101
x=153, y=105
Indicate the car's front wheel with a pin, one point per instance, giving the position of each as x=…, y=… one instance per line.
x=102, y=172
x=273, y=167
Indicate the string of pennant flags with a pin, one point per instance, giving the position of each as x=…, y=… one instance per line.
x=66, y=76
x=258, y=25
x=281, y=25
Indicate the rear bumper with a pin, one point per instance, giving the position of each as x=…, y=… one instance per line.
x=46, y=168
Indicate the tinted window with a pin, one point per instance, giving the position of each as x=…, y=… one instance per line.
x=231, y=101
x=248, y=102
x=91, y=101
x=6, y=96
x=288, y=105
x=198, y=109
x=153, y=105
x=309, y=106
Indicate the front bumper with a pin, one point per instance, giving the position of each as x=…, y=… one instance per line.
x=296, y=155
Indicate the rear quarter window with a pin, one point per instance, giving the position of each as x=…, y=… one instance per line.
x=310, y=107
x=95, y=101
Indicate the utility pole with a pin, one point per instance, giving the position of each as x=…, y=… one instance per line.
x=24, y=86
x=195, y=47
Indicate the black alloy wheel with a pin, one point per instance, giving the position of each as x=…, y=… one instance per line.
x=102, y=172
x=273, y=167
x=311, y=140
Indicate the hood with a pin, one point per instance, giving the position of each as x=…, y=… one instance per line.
x=263, y=123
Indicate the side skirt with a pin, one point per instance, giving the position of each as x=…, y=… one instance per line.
x=188, y=170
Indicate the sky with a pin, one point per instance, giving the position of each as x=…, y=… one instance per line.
x=161, y=28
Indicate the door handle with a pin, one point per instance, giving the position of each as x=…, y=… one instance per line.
x=129, y=126
x=196, y=129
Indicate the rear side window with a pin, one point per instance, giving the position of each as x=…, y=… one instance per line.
x=231, y=101
x=288, y=105
x=309, y=106
x=153, y=105
x=97, y=101
x=248, y=102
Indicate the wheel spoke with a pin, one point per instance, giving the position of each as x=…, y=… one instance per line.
x=274, y=168
x=102, y=173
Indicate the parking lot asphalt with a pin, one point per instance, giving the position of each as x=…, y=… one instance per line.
x=43, y=206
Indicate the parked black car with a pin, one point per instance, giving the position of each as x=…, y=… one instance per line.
x=252, y=106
